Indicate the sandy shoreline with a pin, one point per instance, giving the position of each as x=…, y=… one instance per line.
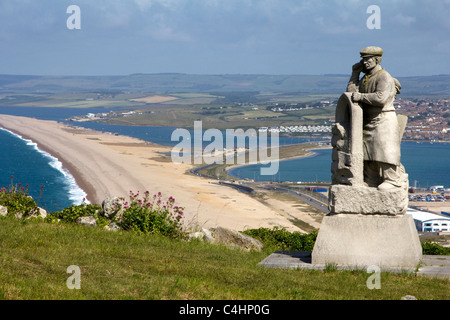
x=106, y=165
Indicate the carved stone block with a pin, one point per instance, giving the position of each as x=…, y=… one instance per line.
x=367, y=200
x=359, y=241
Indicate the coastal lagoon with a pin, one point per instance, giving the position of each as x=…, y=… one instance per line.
x=427, y=164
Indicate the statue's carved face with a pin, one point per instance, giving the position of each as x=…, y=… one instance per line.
x=369, y=63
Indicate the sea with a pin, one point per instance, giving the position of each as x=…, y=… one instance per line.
x=23, y=164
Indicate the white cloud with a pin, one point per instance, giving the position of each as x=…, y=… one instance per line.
x=143, y=5
x=161, y=29
x=114, y=15
x=237, y=31
x=404, y=20
x=146, y=5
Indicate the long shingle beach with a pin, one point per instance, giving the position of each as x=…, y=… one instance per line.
x=106, y=165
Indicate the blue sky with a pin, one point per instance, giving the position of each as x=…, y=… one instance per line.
x=120, y=37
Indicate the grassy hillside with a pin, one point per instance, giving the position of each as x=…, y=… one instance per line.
x=34, y=258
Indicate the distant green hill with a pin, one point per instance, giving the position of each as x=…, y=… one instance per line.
x=189, y=83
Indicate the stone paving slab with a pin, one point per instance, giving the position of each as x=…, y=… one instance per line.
x=434, y=266
x=437, y=266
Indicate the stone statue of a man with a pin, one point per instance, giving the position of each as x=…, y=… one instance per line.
x=376, y=92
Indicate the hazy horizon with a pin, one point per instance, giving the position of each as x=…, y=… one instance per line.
x=208, y=74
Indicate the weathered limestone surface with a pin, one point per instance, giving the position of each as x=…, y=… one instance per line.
x=347, y=142
x=87, y=221
x=366, y=200
x=368, y=197
x=228, y=237
x=3, y=211
x=113, y=207
x=361, y=241
x=235, y=239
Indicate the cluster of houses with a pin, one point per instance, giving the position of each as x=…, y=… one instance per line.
x=428, y=119
x=102, y=115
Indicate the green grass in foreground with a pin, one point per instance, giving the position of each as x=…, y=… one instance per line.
x=34, y=258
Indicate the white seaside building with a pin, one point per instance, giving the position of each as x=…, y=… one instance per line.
x=429, y=222
x=300, y=129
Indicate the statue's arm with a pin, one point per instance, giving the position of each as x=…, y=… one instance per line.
x=353, y=83
x=382, y=94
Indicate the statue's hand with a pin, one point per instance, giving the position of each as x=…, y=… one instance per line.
x=356, y=96
x=357, y=67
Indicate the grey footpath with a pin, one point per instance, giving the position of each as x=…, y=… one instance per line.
x=433, y=266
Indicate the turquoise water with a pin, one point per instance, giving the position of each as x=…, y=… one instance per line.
x=51, y=185
x=48, y=182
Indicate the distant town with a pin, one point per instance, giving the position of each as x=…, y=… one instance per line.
x=428, y=119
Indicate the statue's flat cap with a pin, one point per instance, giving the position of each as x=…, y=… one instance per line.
x=371, y=51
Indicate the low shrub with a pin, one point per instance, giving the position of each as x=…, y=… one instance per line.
x=72, y=213
x=152, y=215
x=16, y=199
x=281, y=239
x=432, y=248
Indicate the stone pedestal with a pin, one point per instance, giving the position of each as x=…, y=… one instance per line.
x=366, y=200
x=359, y=241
